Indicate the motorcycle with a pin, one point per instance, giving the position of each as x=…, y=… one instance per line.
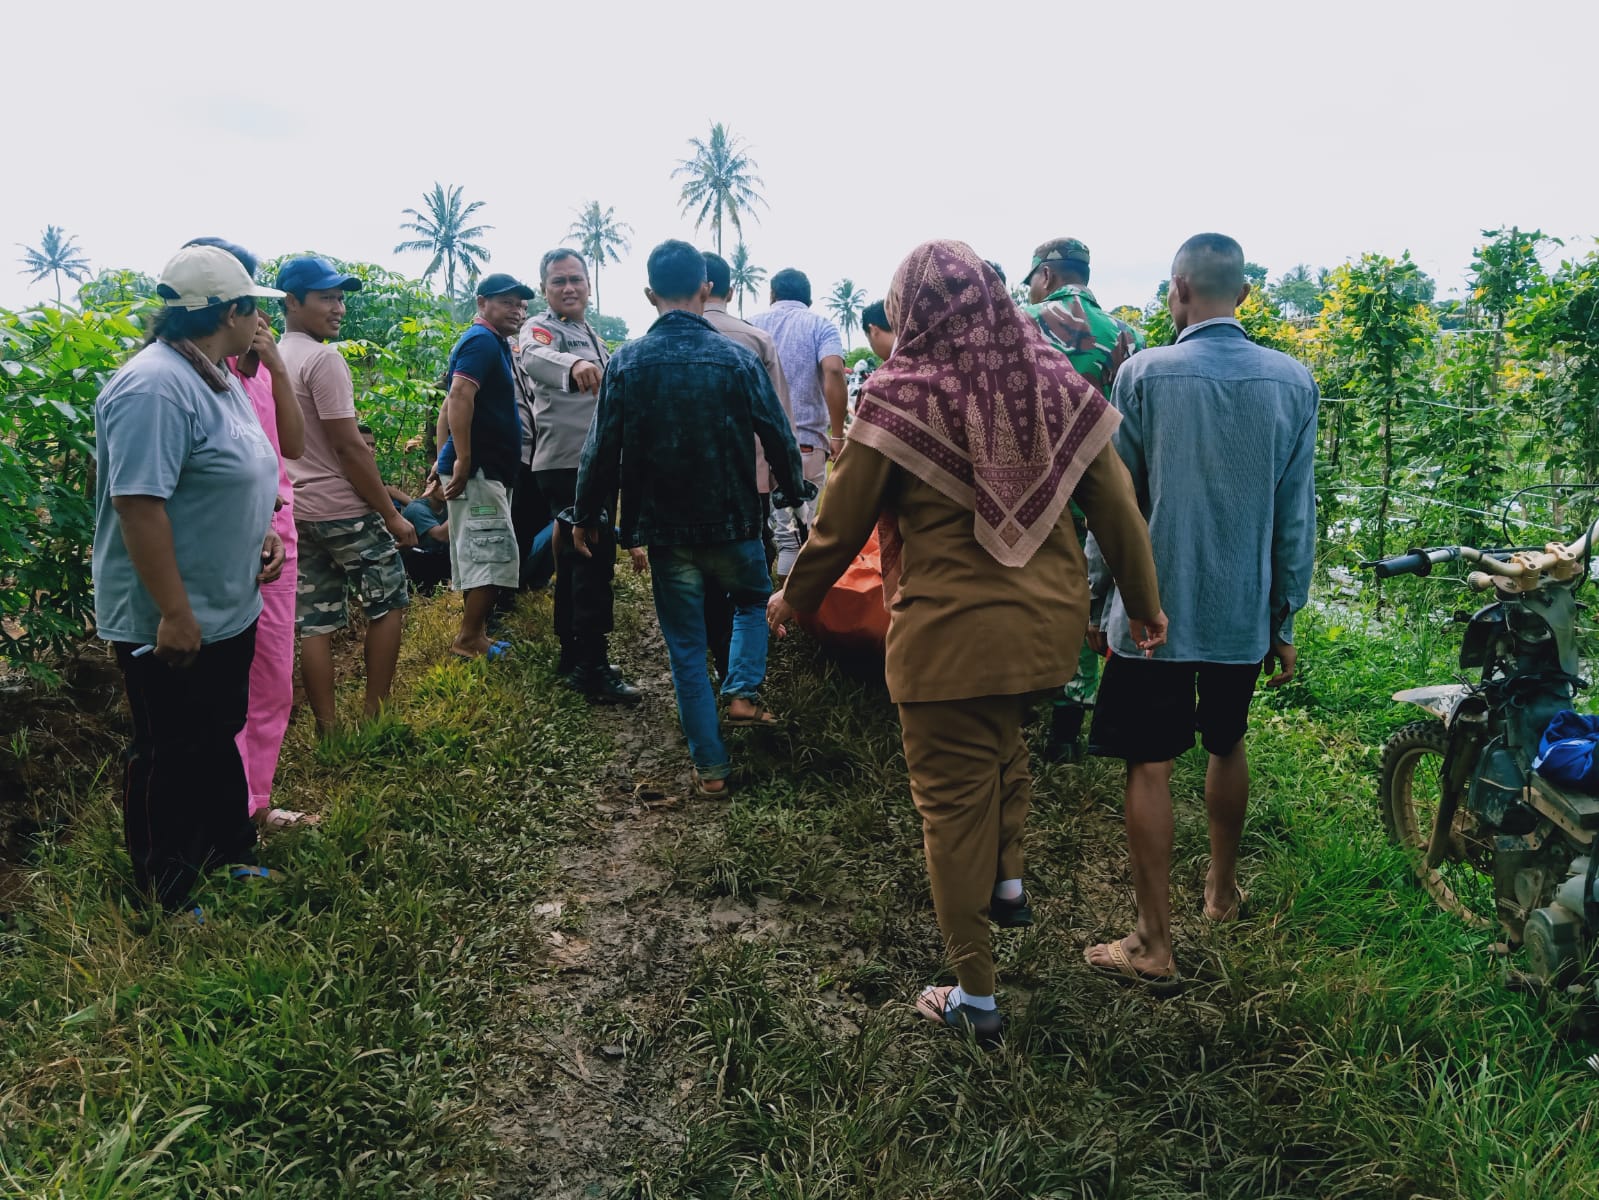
x=1490, y=839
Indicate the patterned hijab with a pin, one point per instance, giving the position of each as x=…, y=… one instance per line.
x=976, y=403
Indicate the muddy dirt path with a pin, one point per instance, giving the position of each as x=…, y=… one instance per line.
x=614, y=944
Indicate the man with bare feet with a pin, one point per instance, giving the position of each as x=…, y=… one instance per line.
x=1219, y=435
x=350, y=535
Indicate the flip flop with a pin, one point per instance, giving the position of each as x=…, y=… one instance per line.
x=986, y=1024
x=1232, y=915
x=760, y=720
x=710, y=793
x=288, y=818
x=1121, y=969
x=495, y=652
x=250, y=871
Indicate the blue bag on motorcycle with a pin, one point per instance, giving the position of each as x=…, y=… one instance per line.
x=1566, y=751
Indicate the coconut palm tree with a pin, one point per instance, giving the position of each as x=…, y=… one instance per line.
x=746, y=276
x=56, y=255
x=445, y=234
x=846, y=303
x=720, y=181
x=600, y=235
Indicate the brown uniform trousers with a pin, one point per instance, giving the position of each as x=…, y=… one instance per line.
x=971, y=784
x=968, y=640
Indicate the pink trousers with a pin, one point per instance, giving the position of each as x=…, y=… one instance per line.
x=271, y=680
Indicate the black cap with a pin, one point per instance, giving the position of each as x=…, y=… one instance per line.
x=499, y=283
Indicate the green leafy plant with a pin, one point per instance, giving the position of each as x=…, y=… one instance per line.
x=53, y=362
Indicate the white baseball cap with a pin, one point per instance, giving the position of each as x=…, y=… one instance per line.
x=200, y=276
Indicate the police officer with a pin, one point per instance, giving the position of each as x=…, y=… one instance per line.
x=561, y=361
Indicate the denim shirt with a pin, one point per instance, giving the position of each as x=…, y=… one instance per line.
x=676, y=414
x=1219, y=435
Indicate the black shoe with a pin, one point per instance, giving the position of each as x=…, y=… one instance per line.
x=1010, y=914
x=1064, y=743
x=605, y=685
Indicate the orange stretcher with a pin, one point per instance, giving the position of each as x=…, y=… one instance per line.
x=852, y=616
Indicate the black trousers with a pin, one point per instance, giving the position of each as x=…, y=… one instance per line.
x=583, y=595
x=719, y=605
x=185, y=803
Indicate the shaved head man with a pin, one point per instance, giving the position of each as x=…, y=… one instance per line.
x=1207, y=273
x=1219, y=435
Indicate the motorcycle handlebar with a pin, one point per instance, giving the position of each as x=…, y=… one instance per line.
x=1514, y=564
x=1414, y=562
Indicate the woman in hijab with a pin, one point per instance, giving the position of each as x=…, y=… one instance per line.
x=966, y=447
x=184, y=491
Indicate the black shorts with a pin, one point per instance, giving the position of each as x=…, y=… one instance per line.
x=1149, y=710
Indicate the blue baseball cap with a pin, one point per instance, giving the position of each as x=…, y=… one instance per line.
x=310, y=273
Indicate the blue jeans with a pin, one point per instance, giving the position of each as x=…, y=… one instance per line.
x=682, y=576
x=538, y=568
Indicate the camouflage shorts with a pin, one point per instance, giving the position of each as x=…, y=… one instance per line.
x=357, y=554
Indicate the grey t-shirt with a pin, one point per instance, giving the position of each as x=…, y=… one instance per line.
x=160, y=431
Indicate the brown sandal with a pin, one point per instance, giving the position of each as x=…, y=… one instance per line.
x=707, y=792
x=1121, y=969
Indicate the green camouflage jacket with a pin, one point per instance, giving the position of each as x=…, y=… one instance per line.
x=1096, y=342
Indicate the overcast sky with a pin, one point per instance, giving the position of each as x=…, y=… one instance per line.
x=1309, y=132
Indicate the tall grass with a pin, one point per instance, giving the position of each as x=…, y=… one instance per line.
x=322, y=1035
x=1347, y=1040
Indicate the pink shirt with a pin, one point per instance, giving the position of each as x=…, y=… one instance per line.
x=259, y=388
x=322, y=491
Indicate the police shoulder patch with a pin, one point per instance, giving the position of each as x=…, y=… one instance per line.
x=542, y=336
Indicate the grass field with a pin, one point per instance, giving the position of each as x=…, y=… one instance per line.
x=515, y=961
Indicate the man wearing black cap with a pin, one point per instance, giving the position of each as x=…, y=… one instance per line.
x=349, y=532
x=482, y=459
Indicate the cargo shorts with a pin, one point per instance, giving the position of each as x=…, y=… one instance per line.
x=483, y=549
x=356, y=554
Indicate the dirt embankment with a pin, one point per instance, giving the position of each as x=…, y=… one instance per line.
x=54, y=743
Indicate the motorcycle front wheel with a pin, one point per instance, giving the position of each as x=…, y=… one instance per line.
x=1410, y=790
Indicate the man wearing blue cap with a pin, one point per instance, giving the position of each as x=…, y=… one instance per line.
x=350, y=534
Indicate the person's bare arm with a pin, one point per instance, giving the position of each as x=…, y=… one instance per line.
x=285, y=404
x=460, y=406
x=835, y=390
x=361, y=469
x=147, y=533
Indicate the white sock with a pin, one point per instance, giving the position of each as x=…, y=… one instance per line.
x=1008, y=889
x=958, y=997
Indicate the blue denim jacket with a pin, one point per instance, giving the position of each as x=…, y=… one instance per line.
x=1219, y=435
x=673, y=429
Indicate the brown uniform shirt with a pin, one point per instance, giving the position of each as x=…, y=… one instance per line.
x=760, y=343
x=963, y=625
x=545, y=353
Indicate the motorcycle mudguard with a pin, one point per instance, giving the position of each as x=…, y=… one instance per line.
x=1440, y=700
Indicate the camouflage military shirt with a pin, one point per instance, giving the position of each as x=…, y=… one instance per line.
x=1096, y=342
